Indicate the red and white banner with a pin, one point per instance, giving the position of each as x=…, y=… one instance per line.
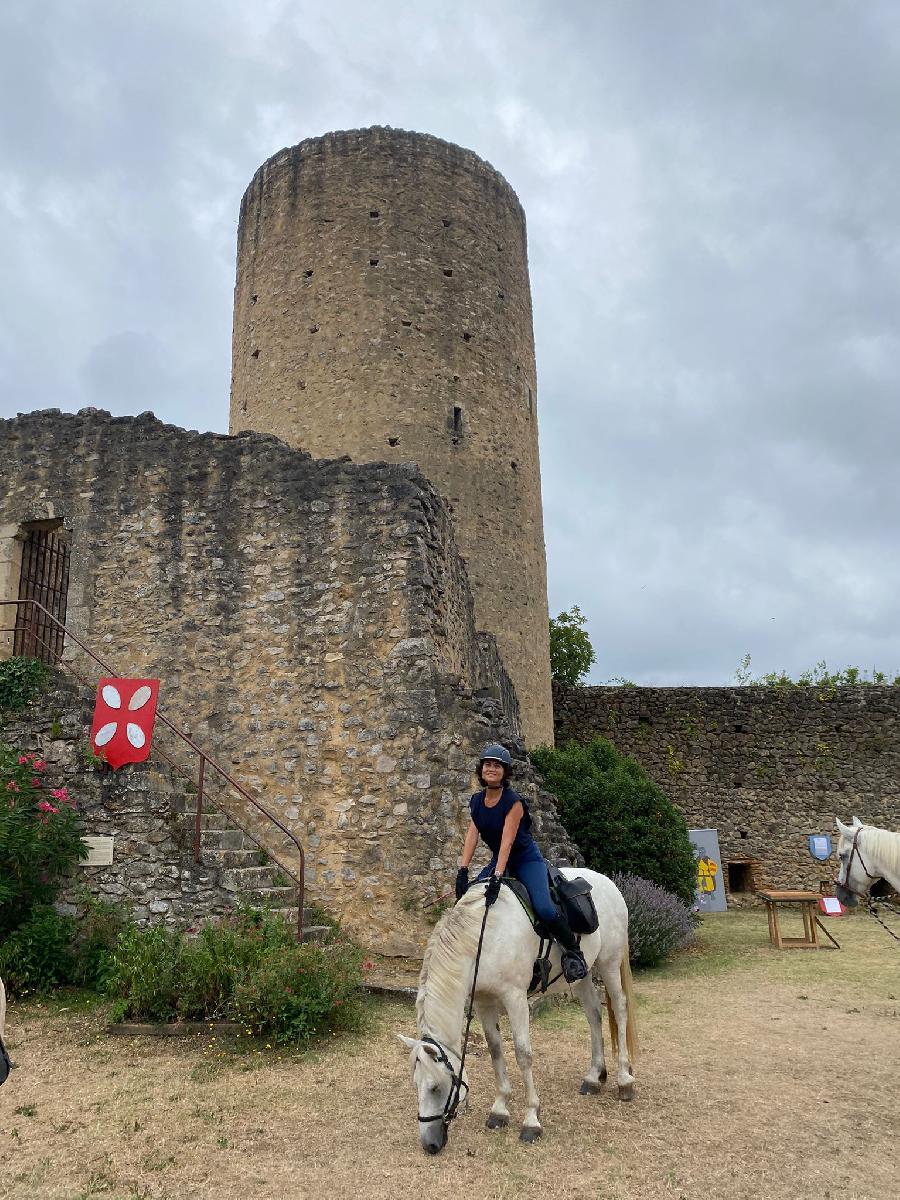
x=123, y=719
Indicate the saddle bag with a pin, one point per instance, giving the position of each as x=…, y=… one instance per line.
x=574, y=897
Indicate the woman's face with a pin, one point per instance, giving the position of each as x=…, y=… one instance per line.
x=492, y=772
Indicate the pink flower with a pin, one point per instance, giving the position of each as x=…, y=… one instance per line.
x=39, y=764
x=47, y=808
x=61, y=794
x=35, y=782
x=23, y=759
x=12, y=786
x=367, y=964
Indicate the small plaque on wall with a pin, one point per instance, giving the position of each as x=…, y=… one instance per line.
x=100, y=852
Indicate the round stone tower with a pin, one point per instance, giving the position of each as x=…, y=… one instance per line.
x=383, y=310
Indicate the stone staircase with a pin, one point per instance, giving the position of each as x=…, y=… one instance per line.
x=240, y=866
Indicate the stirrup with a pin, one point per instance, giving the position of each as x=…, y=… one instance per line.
x=573, y=965
x=540, y=976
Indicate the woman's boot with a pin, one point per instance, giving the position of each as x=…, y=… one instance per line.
x=573, y=963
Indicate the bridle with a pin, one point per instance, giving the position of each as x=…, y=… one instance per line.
x=855, y=852
x=454, y=1099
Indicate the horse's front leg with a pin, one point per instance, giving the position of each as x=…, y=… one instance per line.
x=587, y=993
x=489, y=1016
x=516, y=1004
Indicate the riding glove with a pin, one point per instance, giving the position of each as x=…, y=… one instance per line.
x=492, y=891
x=462, y=882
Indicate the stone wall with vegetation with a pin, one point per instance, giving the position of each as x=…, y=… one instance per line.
x=309, y=624
x=142, y=807
x=766, y=766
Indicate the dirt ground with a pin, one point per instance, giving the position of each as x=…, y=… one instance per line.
x=762, y=1074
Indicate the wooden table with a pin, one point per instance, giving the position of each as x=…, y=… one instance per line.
x=808, y=903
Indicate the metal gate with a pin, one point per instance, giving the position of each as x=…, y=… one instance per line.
x=45, y=578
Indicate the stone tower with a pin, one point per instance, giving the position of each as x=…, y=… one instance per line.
x=383, y=311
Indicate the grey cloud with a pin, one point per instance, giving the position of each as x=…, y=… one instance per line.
x=714, y=241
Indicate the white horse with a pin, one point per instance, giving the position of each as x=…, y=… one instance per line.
x=504, y=973
x=866, y=854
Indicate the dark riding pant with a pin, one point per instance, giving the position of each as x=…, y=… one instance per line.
x=532, y=872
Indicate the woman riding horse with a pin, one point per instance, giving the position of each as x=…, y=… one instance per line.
x=500, y=816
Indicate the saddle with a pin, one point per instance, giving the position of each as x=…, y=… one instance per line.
x=573, y=896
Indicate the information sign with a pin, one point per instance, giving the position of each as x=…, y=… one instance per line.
x=100, y=852
x=710, y=896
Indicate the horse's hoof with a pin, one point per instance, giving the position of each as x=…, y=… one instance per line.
x=495, y=1121
x=626, y=1091
x=590, y=1089
x=529, y=1134
x=602, y=1075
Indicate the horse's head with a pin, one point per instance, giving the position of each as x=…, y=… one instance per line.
x=853, y=880
x=435, y=1077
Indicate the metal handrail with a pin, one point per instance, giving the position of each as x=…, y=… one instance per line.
x=204, y=759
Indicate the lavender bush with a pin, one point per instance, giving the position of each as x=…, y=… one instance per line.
x=658, y=922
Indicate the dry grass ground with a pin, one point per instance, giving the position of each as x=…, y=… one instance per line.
x=763, y=1074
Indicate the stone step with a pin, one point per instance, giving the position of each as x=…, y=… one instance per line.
x=209, y=821
x=239, y=879
x=268, y=897
x=225, y=839
x=311, y=933
x=240, y=859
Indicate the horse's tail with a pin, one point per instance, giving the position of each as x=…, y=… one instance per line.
x=631, y=1037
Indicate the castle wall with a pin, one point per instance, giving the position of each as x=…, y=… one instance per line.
x=383, y=310
x=310, y=624
x=766, y=766
x=153, y=875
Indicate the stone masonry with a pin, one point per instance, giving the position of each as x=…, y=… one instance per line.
x=383, y=310
x=147, y=809
x=766, y=766
x=313, y=630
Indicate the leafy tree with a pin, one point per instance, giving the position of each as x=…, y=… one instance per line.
x=617, y=816
x=571, y=652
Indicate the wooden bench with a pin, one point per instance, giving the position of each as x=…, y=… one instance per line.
x=808, y=903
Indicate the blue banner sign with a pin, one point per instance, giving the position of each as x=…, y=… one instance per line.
x=820, y=846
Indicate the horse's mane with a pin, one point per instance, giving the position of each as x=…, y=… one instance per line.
x=447, y=969
x=886, y=845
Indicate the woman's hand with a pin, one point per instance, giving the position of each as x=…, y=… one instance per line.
x=462, y=882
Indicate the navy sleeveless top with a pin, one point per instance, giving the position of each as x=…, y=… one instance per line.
x=489, y=822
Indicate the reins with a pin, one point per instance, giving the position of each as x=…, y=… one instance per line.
x=455, y=1097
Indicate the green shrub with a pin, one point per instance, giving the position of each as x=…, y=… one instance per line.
x=37, y=956
x=249, y=968
x=20, y=680
x=40, y=837
x=98, y=926
x=658, y=923
x=617, y=816
x=143, y=972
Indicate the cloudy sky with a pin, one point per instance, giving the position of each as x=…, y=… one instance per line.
x=713, y=197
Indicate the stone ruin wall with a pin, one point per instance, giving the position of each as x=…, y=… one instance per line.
x=766, y=766
x=311, y=626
